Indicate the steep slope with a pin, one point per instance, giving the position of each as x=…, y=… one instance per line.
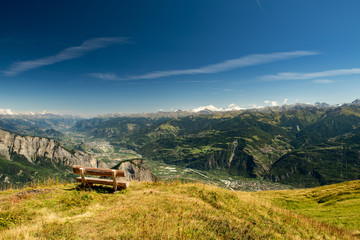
x=335, y=160
x=27, y=155
x=217, y=143
x=332, y=123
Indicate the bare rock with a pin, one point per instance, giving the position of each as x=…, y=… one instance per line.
x=136, y=170
x=43, y=149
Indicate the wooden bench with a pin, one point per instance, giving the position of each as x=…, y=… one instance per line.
x=100, y=172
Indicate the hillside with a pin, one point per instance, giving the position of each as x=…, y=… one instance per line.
x=174, y=210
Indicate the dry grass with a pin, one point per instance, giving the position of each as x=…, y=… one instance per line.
x=337, y=205
x=154, y=211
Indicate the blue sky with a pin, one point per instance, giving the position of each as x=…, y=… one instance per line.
x=98, y=57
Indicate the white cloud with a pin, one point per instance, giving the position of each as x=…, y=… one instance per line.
x=275, y=103
x=66, y=54
x=231, y=107
x=324, y=81
x=272, y=103
x=208, y=107
x=250, y=60
x=252, y=106
x=300, y=76
x=10, y=112
x=6, y=112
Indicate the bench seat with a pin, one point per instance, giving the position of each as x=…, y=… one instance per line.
x=120, y=184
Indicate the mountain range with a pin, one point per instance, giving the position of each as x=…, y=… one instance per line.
x=301, y=145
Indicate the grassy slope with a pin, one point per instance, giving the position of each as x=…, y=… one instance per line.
x=337, y=204
x=171, y=211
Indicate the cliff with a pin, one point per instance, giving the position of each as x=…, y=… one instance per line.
x=36, y=148
x=136, y=170
x=35, y=156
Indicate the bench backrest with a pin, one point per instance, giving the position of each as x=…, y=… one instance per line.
x=98, y=171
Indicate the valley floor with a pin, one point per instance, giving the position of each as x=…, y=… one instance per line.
x=175, y=210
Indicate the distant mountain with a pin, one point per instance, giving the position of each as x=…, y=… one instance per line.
x=323, y=104
x=293, y=144
x=356, y=101
x=41, y=124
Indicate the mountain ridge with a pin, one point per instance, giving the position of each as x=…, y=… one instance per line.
x=22, y=152
x=247, y=143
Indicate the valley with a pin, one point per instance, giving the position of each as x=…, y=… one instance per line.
x=271, y=148
x=301, y=145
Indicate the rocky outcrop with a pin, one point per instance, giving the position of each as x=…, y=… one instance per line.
x=36, y=149
x=136, y=170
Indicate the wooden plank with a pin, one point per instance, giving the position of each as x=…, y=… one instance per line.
x=120, y=184
x=98, y=171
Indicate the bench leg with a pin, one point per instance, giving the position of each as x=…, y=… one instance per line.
x=82, y=172
x=114, y=179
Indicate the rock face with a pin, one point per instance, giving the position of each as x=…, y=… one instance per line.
x=136, y=170
x=36, y=149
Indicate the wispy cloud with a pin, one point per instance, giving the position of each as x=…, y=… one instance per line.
x=323, y=81
x=197, y=81
x=104, y=76
x=301, y=76
x=250, y=60
x=227, y=90
x=66, y=54
x=258, y=2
